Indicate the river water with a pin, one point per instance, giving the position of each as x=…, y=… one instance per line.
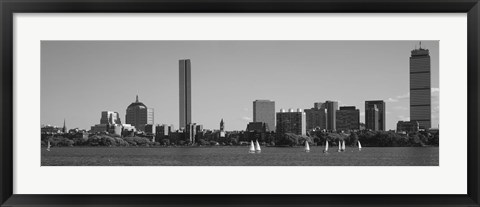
x=238, y=156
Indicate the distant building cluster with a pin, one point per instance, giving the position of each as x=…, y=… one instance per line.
x=138, y=118
x=327, y=116
x=49, y=129
x=323, y=116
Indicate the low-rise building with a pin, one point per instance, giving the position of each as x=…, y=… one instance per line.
x=407, y=126
x=258, y=127
x=49, y=129
x=149, y=129
x=98, y=128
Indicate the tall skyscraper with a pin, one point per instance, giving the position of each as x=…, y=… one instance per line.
x=420, y=88
x=375, y=115
x=348, y=118
x=185, y=88
x=332, y=107
x=316, y=117
x=138, y=115
x=291, y=122
x=264, y=111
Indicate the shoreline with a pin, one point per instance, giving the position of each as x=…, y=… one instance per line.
x=237, y=146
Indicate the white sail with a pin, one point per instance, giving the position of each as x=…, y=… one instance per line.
x=257, y=146
x=343, y=145
x=326, y=146
x=339, y=146
x=307, y=147
x=359, y=146
x=48, y=146
x=252, y=148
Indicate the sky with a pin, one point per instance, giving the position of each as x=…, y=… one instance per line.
x=80, y=79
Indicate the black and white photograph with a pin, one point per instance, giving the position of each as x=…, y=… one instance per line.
x=239, y=103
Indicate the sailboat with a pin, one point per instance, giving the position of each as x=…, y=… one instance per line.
x=257, y=147
x=48, y=146
x=326, y=147
x=252, y=148
x=359, y=146
x=307, y=147
x=343, y=146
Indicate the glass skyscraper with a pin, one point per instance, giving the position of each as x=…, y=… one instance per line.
x=264, y=111
x=139, y=115
x=332, y=107
x=185, y=87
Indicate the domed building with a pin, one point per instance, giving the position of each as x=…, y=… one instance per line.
x=139, y=115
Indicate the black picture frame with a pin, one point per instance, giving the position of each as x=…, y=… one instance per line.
x=9, y=7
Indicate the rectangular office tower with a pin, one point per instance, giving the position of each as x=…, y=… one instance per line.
x=375, y=115
x=185, y=93
x=291, y=122
x=420, y=97
x=371, y=118
x=332, y=107
x=264, y=111
x=348, y=118
x=316, y=117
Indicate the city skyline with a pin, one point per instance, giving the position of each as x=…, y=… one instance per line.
x=218, y=72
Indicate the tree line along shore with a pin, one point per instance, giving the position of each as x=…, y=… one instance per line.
x=316, y=138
